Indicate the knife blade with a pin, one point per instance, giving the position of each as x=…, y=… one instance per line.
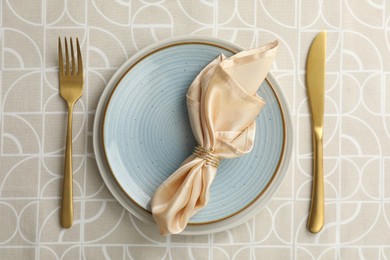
x=315, y=82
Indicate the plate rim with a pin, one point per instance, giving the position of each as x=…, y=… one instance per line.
x=124, y=69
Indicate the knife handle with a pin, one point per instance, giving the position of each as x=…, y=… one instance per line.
x=317, y=207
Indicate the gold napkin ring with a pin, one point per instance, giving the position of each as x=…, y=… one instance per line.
x=211, y=159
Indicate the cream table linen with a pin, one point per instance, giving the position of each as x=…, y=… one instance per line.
x=222, y=107
x=32, y=128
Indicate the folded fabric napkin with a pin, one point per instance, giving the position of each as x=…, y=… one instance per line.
x=223, y=105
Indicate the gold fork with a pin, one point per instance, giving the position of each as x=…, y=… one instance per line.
x=71, y=89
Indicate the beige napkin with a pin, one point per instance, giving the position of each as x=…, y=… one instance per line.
x=222, y=105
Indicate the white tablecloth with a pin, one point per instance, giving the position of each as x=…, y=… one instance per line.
x=33, y=118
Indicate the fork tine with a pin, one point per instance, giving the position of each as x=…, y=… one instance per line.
x=60, y=58
x=67, y=57
x=79, y=59
x=72, y=56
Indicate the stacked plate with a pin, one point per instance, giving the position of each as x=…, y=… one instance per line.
x=142, y=134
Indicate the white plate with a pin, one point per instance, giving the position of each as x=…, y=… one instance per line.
x=135, y=151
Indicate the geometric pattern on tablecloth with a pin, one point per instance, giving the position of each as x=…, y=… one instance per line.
x=33, y=116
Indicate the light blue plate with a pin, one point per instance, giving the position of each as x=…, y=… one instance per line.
x=147, y=133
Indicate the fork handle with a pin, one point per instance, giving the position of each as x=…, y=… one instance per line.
x=317, y=207
x=67, y=190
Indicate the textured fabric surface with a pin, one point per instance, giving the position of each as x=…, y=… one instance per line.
x=33, y=117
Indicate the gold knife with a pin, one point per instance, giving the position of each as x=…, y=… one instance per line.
x=315, y=81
